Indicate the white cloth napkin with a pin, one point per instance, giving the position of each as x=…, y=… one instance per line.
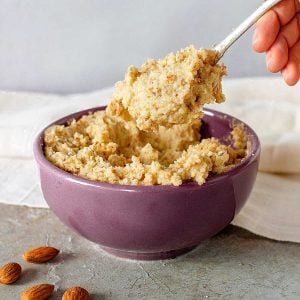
x=266, y=104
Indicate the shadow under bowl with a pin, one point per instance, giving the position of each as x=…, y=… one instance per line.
x=150, y=222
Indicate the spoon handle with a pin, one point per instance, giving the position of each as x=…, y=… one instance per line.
x=222, y=47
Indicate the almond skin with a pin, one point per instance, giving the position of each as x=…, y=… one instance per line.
x=38, y=292
x=10, y=272
x=76, y=293
x=40, y=254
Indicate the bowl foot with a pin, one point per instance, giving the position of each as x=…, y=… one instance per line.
x=147, y=255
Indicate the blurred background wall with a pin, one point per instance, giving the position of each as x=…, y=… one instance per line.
x=66, y=46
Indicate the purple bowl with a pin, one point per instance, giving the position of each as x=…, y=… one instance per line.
x=150, y=222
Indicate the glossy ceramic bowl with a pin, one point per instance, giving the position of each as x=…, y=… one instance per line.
x=150, y=222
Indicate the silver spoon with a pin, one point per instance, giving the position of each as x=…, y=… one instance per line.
x=222, y=47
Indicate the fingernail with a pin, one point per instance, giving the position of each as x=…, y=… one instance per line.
x=269, y=59
x=284, y=74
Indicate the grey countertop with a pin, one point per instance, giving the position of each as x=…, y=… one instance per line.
x=235, y=264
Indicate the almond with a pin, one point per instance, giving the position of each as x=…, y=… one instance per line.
x=76, y=293
x=40, y=254
x=38, y=292
x=10, y=272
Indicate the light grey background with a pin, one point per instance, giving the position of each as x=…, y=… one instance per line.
x=67, y=46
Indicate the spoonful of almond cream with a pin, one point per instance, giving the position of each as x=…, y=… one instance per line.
x=173, y=90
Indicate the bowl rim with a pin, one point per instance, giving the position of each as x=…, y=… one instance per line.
x=43, y=162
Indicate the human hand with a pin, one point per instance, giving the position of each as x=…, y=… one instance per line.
x=278, y=34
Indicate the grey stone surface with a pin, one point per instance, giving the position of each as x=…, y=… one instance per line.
x=235, y=264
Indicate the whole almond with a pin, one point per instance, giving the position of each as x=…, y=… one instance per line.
x=40, y=254
x=10, y=272
x=38, y=292
x=76, y=293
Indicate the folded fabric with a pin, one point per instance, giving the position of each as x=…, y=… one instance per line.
x=273, y=208
x=270, y=107
x=23, y=115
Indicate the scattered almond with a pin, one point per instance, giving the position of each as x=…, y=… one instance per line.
x=76, y=293
x=38, y=292
x=10, y=272
x=40, y=254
